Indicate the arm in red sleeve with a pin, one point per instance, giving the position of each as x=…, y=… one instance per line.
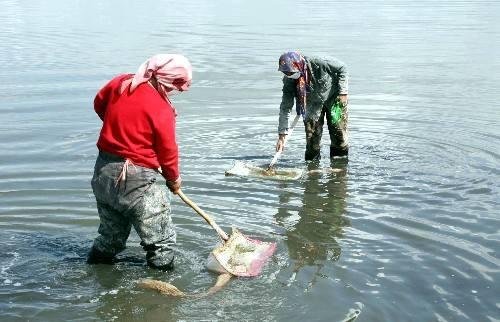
x=104, y=95
x=101, y=100
x=166, y=147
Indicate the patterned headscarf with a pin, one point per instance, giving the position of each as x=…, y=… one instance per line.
x=171, y=71
x=294, y=62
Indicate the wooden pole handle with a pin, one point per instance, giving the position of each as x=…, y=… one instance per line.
x=205, y=216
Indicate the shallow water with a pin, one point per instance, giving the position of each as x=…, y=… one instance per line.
x=408, y=231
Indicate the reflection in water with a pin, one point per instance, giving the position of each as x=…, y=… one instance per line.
x=311, y=234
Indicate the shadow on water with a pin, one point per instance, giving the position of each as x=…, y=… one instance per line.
x=65, y=248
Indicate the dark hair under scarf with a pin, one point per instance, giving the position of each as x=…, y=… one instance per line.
x=293, y=62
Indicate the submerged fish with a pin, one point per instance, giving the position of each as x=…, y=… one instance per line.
x=168, y=289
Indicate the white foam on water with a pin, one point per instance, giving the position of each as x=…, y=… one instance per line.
x=243, y=169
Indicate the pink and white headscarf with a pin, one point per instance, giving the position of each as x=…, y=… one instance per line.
x=171, y=71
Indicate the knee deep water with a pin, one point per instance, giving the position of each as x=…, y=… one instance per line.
x=407, y=231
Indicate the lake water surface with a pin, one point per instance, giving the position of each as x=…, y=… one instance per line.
x=407, y=231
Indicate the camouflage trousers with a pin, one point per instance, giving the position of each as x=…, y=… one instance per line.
x=338, y=135
x=127, y=195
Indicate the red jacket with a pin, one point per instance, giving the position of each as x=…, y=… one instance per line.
x=138, y=126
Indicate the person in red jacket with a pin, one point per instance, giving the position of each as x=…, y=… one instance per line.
x=136, y=143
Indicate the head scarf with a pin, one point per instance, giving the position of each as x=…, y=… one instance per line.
x=294, y=62
x=171, y=71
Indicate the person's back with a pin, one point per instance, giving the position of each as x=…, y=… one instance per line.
x=134, y=121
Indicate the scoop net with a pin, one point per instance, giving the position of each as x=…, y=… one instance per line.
x=241, y=255
x=243, y=169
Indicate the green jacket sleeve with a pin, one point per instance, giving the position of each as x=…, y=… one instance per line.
x=286, y=105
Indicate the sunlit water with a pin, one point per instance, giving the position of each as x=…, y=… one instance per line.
x=407, y=231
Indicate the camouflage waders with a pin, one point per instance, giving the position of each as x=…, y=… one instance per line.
x=338, y=135
x=127, y=196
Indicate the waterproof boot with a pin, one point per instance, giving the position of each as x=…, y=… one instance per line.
x=338, y=152
x=312, y=154
x=165, y=268
x=169, y=266
x=97, y=257
x=161, y=258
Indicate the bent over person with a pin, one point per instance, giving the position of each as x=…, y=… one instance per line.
x=137, y=139
x=319, y=88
